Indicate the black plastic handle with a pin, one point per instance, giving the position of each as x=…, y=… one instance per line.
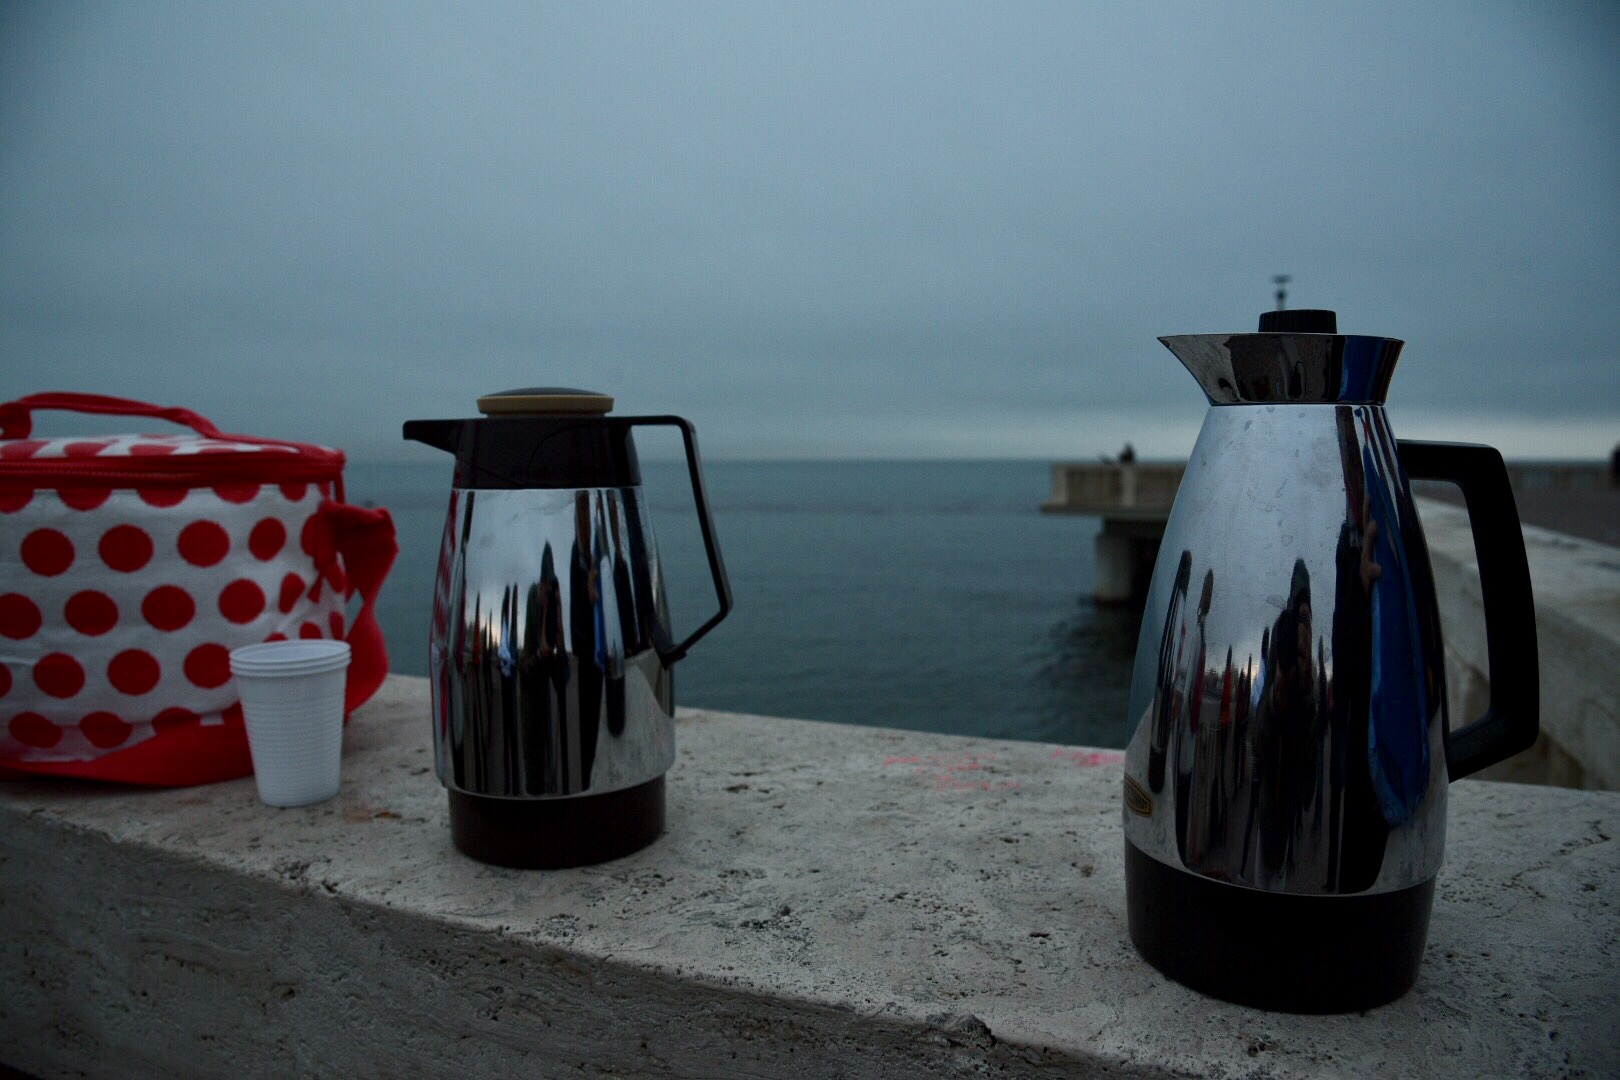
x=1513, y=719
x=717, y=565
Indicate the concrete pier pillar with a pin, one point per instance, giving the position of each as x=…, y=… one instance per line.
x=1126, y=550
x=1115, y=562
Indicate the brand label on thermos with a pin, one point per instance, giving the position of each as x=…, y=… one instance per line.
x=1137, y=801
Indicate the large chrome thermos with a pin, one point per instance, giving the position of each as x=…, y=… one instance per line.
x=550, y=650
x=1289, y=751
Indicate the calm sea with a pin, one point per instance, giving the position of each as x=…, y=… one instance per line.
x=930, y=595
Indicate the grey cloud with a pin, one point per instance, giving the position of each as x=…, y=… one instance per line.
x=828, y=230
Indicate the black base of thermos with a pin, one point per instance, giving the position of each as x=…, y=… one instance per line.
x=548, y=834
x=1281, y=951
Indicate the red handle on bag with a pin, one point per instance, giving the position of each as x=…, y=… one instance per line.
x=17, y=420
x=365, y=538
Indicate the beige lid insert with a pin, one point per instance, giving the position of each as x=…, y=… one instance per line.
x=543, y=400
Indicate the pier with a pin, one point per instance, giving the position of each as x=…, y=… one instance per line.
x=1133, y=499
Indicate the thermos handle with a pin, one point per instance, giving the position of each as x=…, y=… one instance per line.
x=1512, y=720
x=717, y=566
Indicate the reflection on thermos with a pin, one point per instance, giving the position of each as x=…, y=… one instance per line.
x=1289, y=749
x=550, y=650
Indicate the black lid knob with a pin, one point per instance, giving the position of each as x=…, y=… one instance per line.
x=1299, y=321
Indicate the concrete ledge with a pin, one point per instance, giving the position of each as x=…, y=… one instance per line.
x=1577, y=587
x=828, y=901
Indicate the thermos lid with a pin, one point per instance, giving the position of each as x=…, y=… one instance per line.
x=544, y=401
x=1299, y=321
x=1298, y=356
x=537, y=437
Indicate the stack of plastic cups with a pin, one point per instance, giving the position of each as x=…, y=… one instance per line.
x=292, y=703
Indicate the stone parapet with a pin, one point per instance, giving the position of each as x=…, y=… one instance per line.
x=1577, y=591
x=827, y=901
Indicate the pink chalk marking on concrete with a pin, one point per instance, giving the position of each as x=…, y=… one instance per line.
x=1089, y=758
x=945, y=770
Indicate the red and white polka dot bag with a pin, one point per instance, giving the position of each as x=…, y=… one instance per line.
x=130, y=566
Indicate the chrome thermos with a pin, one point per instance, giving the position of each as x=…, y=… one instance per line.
x=1289, y=751
x=550, y=650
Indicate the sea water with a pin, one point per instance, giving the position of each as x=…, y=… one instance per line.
x=925, y=595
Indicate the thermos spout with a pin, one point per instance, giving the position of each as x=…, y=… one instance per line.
x=442, y=434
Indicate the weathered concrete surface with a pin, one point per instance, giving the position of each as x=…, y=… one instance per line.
x=828, y=901
x=1577, y=588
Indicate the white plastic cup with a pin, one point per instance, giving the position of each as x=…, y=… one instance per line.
x=292, y=705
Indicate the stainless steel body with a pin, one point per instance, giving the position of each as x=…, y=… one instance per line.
x=1288, y=705
x=1289, y=746
x=548, y=616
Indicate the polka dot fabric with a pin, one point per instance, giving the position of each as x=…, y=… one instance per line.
x=151, y=631
x=131, y=565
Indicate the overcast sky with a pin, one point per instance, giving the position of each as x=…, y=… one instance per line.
x=869, y=230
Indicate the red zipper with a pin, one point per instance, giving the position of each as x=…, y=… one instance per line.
x=190, y=470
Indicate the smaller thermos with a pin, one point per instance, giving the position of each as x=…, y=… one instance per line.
x=550, y=650
x=1289, y=746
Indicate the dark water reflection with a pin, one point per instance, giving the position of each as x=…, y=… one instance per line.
x=929, y=596
x=1087, y=669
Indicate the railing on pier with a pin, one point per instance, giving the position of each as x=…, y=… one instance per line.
x=1133, y=489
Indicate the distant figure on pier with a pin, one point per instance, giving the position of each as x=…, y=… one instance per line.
x=1127, y=456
